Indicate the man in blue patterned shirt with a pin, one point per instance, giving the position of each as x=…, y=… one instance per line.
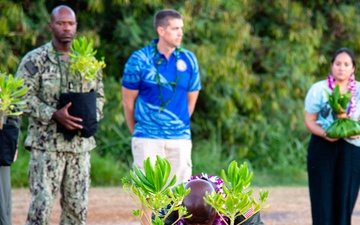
x=160, y=87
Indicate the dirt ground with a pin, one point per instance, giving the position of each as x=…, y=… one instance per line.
x=111, y=206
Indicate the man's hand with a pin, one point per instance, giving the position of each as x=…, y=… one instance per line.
x=15, y=156
x=68, y=121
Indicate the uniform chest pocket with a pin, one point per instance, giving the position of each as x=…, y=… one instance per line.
x=50, y=88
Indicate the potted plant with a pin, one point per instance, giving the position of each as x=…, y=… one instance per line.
x=85, y=66
x=152, y=190
x=236, y=198
x=11, y=91
x=155, y=193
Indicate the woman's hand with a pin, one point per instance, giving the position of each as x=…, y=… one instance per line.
x=329, y=138
x=354, y=137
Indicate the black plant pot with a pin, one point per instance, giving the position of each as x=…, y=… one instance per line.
x=8, y=144
x=83, y=106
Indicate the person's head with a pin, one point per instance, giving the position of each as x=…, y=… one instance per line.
x=202, y=213
x=169, y=25
x=63, y=25
x=343, y=64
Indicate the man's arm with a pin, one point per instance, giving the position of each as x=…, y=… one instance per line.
x=128, y=98
x=192, y=98
x=100, y=96
x=36, y=107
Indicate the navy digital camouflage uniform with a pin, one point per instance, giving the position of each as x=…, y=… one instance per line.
x=55, y=163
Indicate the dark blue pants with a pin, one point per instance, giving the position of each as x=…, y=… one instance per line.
x=334, y=178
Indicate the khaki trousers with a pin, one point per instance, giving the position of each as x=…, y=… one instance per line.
x=177, y=152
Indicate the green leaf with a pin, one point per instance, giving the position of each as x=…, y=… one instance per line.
x=82, y=60
x=337, y=101
x=11, y=92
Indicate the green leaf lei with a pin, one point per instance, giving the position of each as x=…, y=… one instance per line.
x=160, y=84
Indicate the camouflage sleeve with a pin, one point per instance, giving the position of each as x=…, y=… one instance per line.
x=30, y=71
x=100, y=98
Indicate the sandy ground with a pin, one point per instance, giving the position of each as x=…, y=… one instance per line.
x=111, y=206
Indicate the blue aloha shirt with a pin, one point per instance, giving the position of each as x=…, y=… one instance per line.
x=142, y=70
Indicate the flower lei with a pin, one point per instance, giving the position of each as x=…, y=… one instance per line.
x=219, y=220
x=352, y=88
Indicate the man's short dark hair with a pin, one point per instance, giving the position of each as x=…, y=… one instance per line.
x=162, y=17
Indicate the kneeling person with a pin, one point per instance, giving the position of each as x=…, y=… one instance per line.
x=204, y=214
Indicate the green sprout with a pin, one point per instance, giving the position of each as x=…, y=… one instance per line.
x=11, y=91
x=83, y=61
x=236, y=199
x=154, y=191
x=338, y=101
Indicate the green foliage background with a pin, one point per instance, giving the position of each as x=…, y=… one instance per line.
x=257, y=61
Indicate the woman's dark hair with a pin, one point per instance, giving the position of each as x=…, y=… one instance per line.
x=347, y=51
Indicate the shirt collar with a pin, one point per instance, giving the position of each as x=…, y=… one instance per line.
x=154, y=50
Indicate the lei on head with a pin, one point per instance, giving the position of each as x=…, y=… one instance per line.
x=219, y=220
x=352, y=88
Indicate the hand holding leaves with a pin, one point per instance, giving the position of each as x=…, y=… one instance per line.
x=337, y=101
x=343, y=126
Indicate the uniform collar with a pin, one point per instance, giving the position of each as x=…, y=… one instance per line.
x=52, y=53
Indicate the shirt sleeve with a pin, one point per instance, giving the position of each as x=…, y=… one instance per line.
x=29, y=70
x=314, y=98
x=132, y=71
x=195, y=81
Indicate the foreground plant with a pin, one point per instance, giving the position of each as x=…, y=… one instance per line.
x=235, y=199
x=83, y=61
x=154, y=191
x=11, y=91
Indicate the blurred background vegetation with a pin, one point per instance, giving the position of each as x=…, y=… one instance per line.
x=257, y=61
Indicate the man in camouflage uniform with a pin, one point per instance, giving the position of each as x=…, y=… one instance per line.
x=56, y=163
